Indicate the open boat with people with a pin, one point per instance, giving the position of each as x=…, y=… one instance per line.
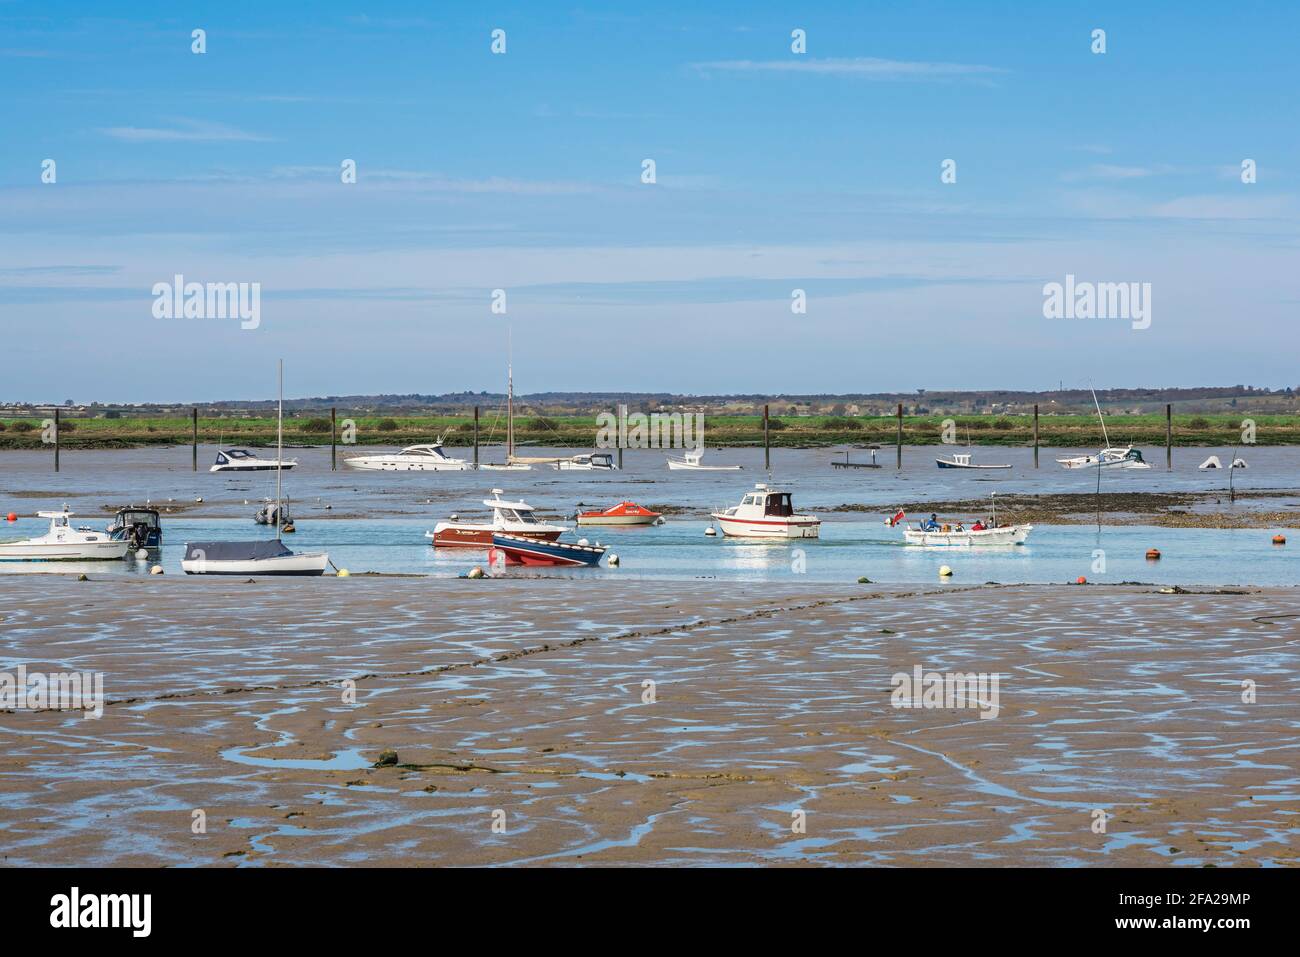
x=64, y=543
x=624, y=513
x=979, y=532
x=693, y=461
x=767, y=512
x=431, y=457
x=270, y=557
x=518, y=550
x=512, y=518
x=242, y=460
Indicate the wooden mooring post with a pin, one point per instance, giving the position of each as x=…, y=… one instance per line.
x=56, y=440
x=900, y=436
x=767, y=447
x=620, y=416
x=476, y=437
x=334, y=441
x=1035, y=435
x=194, y=439
x=1169, y=439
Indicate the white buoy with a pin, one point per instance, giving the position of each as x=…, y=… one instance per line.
x=156, y=570
x=199, y=500
x=945, y=571
x=141, y=554
x=613, y=560
x=710, y=531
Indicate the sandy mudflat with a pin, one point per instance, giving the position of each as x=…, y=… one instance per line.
x=525, y=698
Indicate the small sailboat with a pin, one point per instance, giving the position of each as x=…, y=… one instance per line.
x=767, y=512
x=693, y=461
x=256, y=557
x=510, y=464
x=624, y=513
x=512, y=518
x=63, y=543
x=1111, y=457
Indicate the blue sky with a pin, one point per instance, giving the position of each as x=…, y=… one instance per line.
x=775, y=171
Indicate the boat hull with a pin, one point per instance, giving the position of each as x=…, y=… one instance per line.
x=388, y=465
x=282, y=565
x=945, y=464
x=515, y=550
x=480, y=536
x=104, y=551
x=1011, y=535
x=795, y=527
x=679, y=466
x=599, y=519
x=265, y=467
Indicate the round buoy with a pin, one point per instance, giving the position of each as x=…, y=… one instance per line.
x=945, y=571
x=141, y=554
x=1279, y=539
x=1153, y=554
x=710, y=531
x=11, y=517
x=199, y=500
x=156, y=570
x=476, y=572
x=864, y=580
x=1081, y=580
x=288, y=528
x=342, y=573
x=613, y=561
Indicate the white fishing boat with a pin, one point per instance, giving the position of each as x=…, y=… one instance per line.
x=767, y=512
x=962, y=460
x=693, y=461
x=1110, y=457
x=270, y=557
x=510, y=518
x=414, y=458
x=934, y=532
x=242, y=460
x=593, y=462
x=63, y=543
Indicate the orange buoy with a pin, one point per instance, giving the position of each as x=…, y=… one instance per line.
x=1081, y=580
x=11, y=517
x=1153, y=554
x=1279, y=539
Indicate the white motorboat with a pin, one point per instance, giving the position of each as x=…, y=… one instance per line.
x=510, y=518
x=1111, y=457
x=957, y=534
x=271, y=557
x=242, y=460
x=962, y=460
x=63, y=543
x=593, y=462
x=767, y=512
x=413, y=458
x=693, y=461
x=1108, y=458
x=933, y=532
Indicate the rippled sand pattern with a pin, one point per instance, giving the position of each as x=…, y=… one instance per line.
x=522, y=702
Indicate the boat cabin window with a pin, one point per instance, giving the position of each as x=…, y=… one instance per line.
x=602, y=459
x=751, y=500
x=778, y=503
x=240, y=454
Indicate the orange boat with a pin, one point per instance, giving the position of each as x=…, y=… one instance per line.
x=624, y=513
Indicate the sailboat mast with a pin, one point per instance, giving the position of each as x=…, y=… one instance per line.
x=510, y=398
x=1100, y=417
x=279, y=450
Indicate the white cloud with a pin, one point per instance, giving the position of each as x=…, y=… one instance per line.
x=194, y=131
x=870, y=68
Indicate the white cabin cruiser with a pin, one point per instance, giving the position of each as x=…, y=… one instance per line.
x=693, y=461
x=962, y=460
x=767, y=512
x=509, y=518
x=413, y=458
x=242, y=460
x=63, y=543
x=593, y=462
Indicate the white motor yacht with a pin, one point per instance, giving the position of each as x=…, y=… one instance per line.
x=63, y=543
x=413, y=458
x=242, y=460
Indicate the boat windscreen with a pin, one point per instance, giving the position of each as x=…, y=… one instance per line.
x=778, y=503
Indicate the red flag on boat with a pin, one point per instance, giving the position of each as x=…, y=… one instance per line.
x=897, y=518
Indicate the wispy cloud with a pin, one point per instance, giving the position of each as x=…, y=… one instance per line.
x=1113, y=172
x=868, y=68
x=193, y=131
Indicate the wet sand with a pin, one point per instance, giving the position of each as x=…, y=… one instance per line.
x=522, y=702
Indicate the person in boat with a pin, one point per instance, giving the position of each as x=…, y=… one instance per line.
x=978, y=526
x=932, y=524
x=960, y=527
